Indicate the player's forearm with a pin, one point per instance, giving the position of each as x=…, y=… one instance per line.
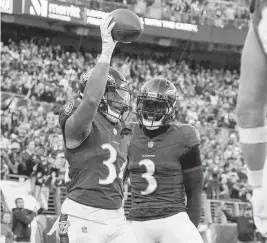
x=78, y=125
x=193, y=181
x=96, y=84
x=96, y=80
x=194, y=208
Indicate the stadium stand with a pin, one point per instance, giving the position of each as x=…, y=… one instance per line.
x=37, y=77
x=218, y=13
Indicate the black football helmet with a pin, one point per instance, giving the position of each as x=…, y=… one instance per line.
x=115, y=104
x=156, y=103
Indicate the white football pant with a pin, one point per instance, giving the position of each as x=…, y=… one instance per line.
x=85, y=224
x=175, y=229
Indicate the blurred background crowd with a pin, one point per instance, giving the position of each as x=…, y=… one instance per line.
x=38, y=77
x=219, y=13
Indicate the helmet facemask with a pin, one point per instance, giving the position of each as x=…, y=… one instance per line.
x=154, y=112
x=115, y=104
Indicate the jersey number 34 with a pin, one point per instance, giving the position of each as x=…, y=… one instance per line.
x=109, y=163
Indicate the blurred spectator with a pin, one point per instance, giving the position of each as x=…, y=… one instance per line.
x=213, y=187
x=246, y=228
x=4, y=169
x=14, y=157
x=29, y=159
x=22, y=219
x=42, y=176
x=218, y=13
x=6, y=234
x=140, y=7
x=7, y=165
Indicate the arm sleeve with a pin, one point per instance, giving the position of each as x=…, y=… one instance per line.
x=65, y=112
x=191, y=160
x=193, y=183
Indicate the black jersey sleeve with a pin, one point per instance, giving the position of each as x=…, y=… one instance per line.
x=65, y=112
x=193, y=182
x=191, y=159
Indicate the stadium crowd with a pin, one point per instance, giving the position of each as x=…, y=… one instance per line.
x=37, y=78
x=218, y=13
x=195, y=11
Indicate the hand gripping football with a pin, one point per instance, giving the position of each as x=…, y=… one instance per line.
x=128, y=26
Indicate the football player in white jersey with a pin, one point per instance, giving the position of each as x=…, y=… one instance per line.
x=251, y=110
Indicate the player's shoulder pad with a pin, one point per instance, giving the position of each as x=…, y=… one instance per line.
x=190, y=132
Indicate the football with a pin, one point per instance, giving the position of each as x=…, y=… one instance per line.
x=128, y=26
